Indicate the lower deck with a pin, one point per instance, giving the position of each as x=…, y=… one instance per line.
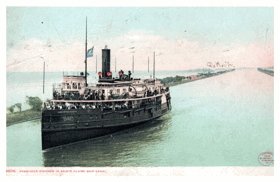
x=55, y=120
x=61, y=127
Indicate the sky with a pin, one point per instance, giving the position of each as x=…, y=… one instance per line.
x=182, y=38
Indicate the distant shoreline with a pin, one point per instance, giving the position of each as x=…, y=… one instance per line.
x=267, y=71
x=202, y=76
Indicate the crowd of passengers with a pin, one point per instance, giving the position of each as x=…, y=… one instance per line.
x=102, y=106
x=100, y=95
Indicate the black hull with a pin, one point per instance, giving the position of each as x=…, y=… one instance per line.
x=84, y=125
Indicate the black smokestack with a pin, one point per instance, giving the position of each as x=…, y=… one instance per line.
x=106, y=55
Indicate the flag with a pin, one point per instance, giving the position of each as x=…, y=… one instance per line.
x=90, y=52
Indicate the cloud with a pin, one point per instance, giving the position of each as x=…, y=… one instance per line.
x=180, y=54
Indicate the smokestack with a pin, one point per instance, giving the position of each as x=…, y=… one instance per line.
x=106, y=55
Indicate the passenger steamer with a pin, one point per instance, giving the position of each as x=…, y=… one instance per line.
x=81, y=110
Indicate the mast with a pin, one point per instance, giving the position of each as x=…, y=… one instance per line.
x=44, y=79
x=154, y=66
x=96, y=63
x=115, y=64
x=148, y=64
x=132, y=63
x=265, y=38
x=86, y=55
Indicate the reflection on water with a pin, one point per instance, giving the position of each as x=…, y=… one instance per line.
x=225, y=120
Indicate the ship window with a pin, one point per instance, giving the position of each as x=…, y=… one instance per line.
x=126, y=115
x=74, y=85
x=79, y=85
x=68, y=86
x=118, y=91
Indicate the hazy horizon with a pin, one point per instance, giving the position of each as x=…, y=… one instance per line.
x=182, y=38
x=146, y=69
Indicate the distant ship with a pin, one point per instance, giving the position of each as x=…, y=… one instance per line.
x=81, y=110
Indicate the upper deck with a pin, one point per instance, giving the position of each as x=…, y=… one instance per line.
x=75, y=88
x=122, y=94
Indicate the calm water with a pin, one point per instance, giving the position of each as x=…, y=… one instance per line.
x=220, y=121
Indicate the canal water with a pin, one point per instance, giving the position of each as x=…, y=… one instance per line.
x=226, y=120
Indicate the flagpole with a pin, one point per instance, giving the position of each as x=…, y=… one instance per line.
x=155, y=65
x=86, y=55
x=44, y=79
x=96, y=63
x=132, y=63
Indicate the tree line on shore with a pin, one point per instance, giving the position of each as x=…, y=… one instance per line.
x=171, y=79
x=34, y=102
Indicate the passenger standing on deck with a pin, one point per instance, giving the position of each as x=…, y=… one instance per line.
x=130, y=93
x=102, y=95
